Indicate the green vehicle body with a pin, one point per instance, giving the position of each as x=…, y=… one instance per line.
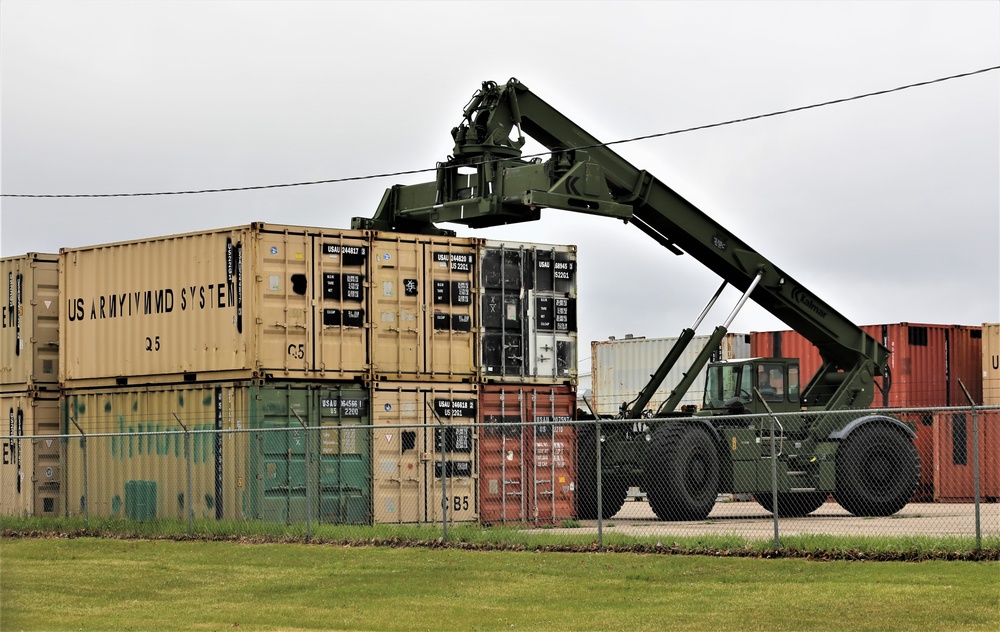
x=682, y=460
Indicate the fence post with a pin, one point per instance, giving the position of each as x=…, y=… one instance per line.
x=774, y=471
x=86, y=495
x=187, y=457
x=600, y=496
x=975, y=464
x=444, y=473
x=308, y=463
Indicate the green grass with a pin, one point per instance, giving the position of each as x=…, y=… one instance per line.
x=103, y=584
x=572, y=538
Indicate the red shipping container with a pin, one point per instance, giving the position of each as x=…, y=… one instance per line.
x=954, y=458
x=526, y=454
x=926, y=364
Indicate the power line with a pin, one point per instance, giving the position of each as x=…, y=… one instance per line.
x=414, y=171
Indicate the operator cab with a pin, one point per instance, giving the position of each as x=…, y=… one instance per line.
x=729, y=385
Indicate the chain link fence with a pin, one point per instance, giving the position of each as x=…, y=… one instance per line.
x=871, y=473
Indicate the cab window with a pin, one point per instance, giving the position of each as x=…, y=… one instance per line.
x=771, y=382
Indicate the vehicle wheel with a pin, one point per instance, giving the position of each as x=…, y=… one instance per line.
x=877, y=471
x=613, y=488
x=792, y=504
x=682, y=472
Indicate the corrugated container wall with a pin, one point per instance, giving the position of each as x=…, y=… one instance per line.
x=528, y=312
x=620, y=368
x=425, y=322
x=30, y=324
x=250, y=301
x=253, y=467
x=30, y=471
x=954, y=459
x=409, y=478
x=527, y=458
x=926, y=362
x=991, y=364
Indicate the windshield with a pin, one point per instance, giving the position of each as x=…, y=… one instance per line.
x=726, y=381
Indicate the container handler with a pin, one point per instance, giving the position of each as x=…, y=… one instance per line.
x=682, y=459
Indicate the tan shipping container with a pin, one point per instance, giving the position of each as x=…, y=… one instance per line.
x=425, y=322
x=29, y=338
x=258, y=300
x=410, y=420
x=991, y=364
x=30, y=471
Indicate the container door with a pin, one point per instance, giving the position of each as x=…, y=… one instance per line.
x=341, y=319
x=398, y=293
x=286, y=305
x=505, y=279
x=398, y=472
x=345, y=457
x=552, y=440
x=502, y=472
x=451, y=480
x=451, y=325
x=283, y=454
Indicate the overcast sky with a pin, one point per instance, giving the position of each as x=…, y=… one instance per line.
x=888, y=208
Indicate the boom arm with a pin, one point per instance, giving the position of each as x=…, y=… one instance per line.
x=487, y=183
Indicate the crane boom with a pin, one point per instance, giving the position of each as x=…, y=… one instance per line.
x=487, y=183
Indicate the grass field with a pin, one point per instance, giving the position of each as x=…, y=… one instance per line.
x=103, y=584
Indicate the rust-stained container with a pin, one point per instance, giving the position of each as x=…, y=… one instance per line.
x=926, y=364
x=425, y=322
x=30, y=470
x=29, y=352
x=410, y=420
x=527, y=454
x=991, y=364
x=621, y=368
x=528, y=296
x=954, y=458
x=235, y=303
x=247, y=446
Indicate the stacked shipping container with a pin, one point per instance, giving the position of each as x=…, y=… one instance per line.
x=265, y=326
x=30, y=471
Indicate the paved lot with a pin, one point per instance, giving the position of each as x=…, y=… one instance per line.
x=749, y=520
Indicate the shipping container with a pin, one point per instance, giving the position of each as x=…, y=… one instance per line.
x=247, y=449
x=620, y=368
x=954, y=459
x=413, y=423
x=425, y=321
x=527, y=457
x=926, y=364
x=991, y=364
x=253, y=301
x=31, y=479
x=528, y=294
x=30, y=325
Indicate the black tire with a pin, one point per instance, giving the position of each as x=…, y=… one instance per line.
x=613, y=488
x=682, y=472
x=792, y=504
x=877, y=471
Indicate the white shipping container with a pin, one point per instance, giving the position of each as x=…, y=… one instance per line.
x=620, y=368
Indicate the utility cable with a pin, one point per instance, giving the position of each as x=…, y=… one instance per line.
x=608, y=144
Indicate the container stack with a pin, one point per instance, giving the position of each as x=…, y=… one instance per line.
x=262, y=356
x=528, y=397
x=257, y=327
x=30, y=470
